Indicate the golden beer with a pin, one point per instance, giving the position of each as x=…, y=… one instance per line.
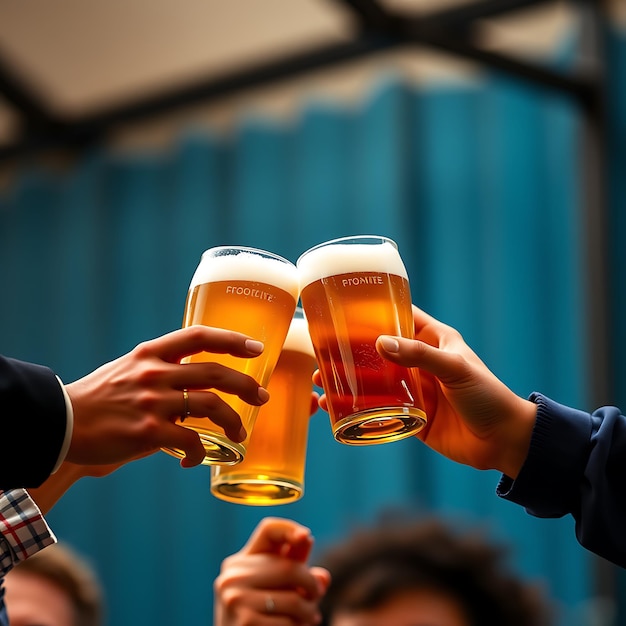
x=353, y=290
x=250, y=291
x=273, y=469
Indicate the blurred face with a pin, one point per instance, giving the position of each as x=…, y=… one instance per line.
x=33, y=601
x=419, y=608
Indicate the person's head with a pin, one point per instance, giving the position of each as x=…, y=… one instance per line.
x=54, y=587
x=425, y=574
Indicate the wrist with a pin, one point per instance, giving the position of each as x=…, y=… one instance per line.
x=517, y=433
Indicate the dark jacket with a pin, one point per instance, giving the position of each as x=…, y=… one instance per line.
x=32, y=422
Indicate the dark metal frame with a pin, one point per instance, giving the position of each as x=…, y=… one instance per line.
x=377, y=29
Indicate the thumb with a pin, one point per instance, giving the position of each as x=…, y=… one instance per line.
x=280, y=536
x=416, y=353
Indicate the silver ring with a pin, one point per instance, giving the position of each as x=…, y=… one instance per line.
x=270, y=606
x=186, y=401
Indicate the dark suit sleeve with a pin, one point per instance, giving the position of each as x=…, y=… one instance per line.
x=33, y=420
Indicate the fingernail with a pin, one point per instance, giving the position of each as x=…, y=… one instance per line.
x=252, y=345
x=389, y=343
x=242, y=433
x=264, y=395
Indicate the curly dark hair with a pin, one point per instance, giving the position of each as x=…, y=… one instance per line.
x=373, y=565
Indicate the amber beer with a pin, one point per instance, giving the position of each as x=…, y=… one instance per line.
x=250, y=291
x=273, y=469
x=353, y=290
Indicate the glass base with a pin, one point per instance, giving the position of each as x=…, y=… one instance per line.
x=254, y=491
x=380, y=425
x=219, y=451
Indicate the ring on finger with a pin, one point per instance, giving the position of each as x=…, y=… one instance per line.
x=186, y=412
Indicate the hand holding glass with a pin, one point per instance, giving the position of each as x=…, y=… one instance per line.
x=253, y=292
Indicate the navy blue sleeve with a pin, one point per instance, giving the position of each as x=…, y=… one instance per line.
x=33, y=420
x=576, y=465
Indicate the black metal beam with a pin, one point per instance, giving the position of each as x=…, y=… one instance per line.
x=375, y=15
x=582, y=87
x=17, y=94
x=450, y=30
x=369, y=13
x=465, y=14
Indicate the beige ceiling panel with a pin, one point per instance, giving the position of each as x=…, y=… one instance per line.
x=86, y=53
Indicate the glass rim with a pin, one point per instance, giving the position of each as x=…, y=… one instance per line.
x=252, y=250
x=373, y=239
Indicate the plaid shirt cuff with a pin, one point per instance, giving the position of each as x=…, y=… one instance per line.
x=23, y=530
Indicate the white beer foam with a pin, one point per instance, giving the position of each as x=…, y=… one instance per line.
x=298, y=338
x=345, y=258
x=247, y=266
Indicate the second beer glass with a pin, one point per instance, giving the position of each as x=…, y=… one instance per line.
x=273, y=470
x=353, y=290
x=250, y=291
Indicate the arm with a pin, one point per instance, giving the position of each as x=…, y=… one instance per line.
x=473, y=417
x=123, y=410
x=268, y=582
x=51, y=490
x=556, y=460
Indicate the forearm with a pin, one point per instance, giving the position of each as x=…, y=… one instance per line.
x=49, y=493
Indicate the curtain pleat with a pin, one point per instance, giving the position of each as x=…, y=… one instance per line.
x=478, y=182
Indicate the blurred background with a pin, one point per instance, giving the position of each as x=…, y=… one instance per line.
x=488, y=138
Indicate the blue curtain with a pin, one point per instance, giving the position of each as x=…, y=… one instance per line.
x=479, y=185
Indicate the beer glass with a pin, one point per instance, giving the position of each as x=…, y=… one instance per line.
x=250, y=291
x=273, y=470
x=353, y=290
